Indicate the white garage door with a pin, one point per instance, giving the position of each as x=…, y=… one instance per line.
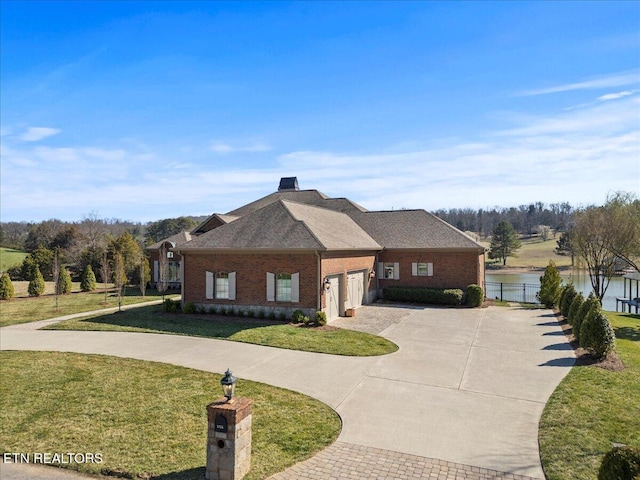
x=333, y=298
x=356, y=289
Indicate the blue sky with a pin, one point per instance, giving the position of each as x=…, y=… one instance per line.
x=150, y=110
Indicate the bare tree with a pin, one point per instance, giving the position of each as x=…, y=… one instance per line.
x=623, y=212
x=119, y=276
x=105, y=273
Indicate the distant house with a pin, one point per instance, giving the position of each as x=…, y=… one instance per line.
x=299, y=249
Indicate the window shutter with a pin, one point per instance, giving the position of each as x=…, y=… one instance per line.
x=414, y=269
x=155, y=270
x=396, y=271
x=380, y=269
x=271, y=287
x=295, y=287
x=232, y=285
x=430, y=269
x=209, y=285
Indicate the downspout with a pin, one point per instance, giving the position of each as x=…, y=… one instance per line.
x=318, y=283
x=182, y=279
x=375, y=269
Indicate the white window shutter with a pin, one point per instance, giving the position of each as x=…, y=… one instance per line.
x=209, y=285
x=396, y=271
x=414, y=269
x=232, y=285
x=156, y=268
x=295, y=287
x=380, y=269
x=271, y=287
x=430, y=269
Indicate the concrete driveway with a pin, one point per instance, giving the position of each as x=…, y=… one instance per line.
x=467, y=385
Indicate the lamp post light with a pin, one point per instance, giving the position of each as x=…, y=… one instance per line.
x=228, y=383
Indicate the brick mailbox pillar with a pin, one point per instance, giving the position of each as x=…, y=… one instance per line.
x=229, y=439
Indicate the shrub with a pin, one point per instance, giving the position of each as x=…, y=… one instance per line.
x=297, y=316
x=569, y=294
x=475, y=295
x=251, y=313
x=171, y=306
x=189, y=308
x=88, y=281
x=589, y=304
x=620, y=463
x=563, y=293
x=232, y=312
x=549, y=293
x=320, y=318
x=201, y=309
x=435, y=296
x=272, y=315
x=213, y=310
x=36, y=284
x=6, y=287
x=15, y=273
x=282, y=316
x=597, y=336
x=261, y=313
x=576, y=303
x=588, y=317
x=306, y=320
x=64, y=282
x=222, y=311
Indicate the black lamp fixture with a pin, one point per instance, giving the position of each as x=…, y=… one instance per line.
x=326, y=283
x=228, y=383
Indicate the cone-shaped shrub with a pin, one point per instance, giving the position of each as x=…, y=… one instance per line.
x=577, y=302
x=36, y=284
x=6, y=287
x=591, y=303
x=88, y=281
x=620, y=463
x=569, y=294
x=64, y=282
x=549, y=293
x=597, y=336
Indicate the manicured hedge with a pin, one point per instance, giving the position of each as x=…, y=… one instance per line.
x=433, y=296
x=620, y=463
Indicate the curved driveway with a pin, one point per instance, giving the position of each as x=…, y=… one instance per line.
x=466, y=386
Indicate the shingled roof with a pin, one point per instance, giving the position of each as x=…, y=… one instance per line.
x=286, y=225
x=177, y=239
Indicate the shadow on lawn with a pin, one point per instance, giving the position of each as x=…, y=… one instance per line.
x=153, y=318
x=191, y=474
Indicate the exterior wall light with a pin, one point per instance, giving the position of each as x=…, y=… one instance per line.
x=327, y=283
x=372, y=274
x=228, y=383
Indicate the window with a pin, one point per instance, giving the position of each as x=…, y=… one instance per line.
x=222, y=285
x=421, y=269
x=283, y=287
x=389, y=270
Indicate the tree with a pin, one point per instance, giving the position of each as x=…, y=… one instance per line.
x=550, y=286
x=119, y=276
x=504, y=242
x=6, y=287
x=105, y=273
x=88, y=282
x=145, y=274
x=64, y=284
x=162, y=229
x=564, y=245
x=623, y=211
x=36, y=284
x=43, y=259
x=131, y=253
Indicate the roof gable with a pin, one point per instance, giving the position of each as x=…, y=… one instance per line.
x=177, y=239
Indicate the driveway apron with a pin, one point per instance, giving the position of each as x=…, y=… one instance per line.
x=467, y=386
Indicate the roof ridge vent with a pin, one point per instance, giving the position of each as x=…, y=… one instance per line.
x=288, y=184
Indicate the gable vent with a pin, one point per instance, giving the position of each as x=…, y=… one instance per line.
x=288, y=184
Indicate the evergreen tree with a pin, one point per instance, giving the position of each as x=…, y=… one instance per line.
x=549, y=293
x=6, y=287
x=64, y=282
x=36, y=284
x=88, y=282
x=504, y=242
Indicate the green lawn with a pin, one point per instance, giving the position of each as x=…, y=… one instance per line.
x=148, y=420
x=10, y=258
x=534, y=253
x=31, y=309
x=593, y=408
x=262, y=332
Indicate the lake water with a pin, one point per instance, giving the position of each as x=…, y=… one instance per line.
x=580, y=280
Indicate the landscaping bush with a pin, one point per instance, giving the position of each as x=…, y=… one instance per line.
x=272, y=315
x=64, y=284
x=596, y=335
x=6, y=287
x=589, y=304
x=88, y=281
x=549, y=293
x=475, y=295
x=620, y=463
x=261, y=313
x=251, y=313
x=189, y=308
x=435, y=296
x=306, y=320
x=320, y=318
x=569, y=294
x=282, y=316
x=36, y=284
x=297, y=316
x=576, y=303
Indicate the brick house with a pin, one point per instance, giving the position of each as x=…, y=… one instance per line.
x=299, y=249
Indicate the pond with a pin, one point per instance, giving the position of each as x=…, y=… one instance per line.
x=579, y=278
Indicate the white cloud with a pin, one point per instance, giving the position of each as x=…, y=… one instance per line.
x=615, y=96
x=609, y=81
x=224, y=148
x=34, y=134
